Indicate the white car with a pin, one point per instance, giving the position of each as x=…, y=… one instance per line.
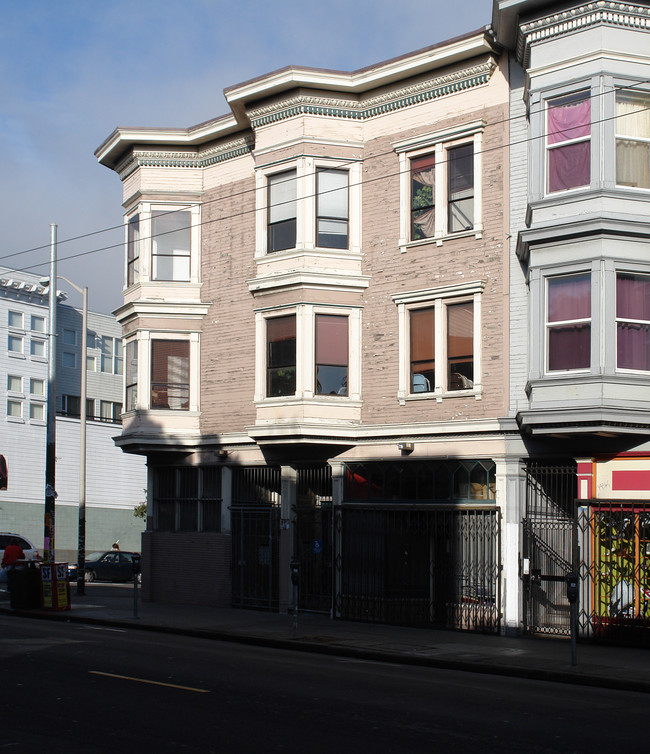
x=31, y=553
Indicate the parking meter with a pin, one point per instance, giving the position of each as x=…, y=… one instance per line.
x=136, y=564
x=294, y=565
x=572, y=588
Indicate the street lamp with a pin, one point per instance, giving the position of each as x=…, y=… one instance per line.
x=81, y=546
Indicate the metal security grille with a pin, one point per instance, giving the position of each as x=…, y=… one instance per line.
x=255, y=522
x=547, y=548
x=313, y=537
x=418, y=566
x=614, y=568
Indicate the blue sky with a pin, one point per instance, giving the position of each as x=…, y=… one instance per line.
x=71, y=71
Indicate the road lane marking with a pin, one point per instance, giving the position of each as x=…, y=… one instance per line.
x=146, y=680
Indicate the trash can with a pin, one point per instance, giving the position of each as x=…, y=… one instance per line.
x=25, y=586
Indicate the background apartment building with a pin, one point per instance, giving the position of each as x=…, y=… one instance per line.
x=115, y=482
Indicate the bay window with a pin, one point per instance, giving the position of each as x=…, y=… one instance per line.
x=633, y=321
x=281, y=356
x=568, y=142
x=633, y=138
x=170, y=374
x=281, y=211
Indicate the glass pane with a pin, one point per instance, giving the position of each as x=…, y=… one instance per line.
x=282, y=235
x=15, y=319
x=15, y=409
x=633, y=114
x=15, y=344
x=38, y=348
x=332, y=234
x=281, y=356
x=282, y=196
x=331, y=339
x=38, y=324
x=36, y=411
x=569, y=166
x=333, y=193
x=633, y=296
x=460, y=346
x=461, y=215
x=14, y=383
x=569, y=347
x=170, y=365
x=632, y=163
x=37, y=387
x=422, y=197
x=569, y=298
x=461, y=171
x=569, y=118
x=171, y=232
x=633, y=346
x=331, y=380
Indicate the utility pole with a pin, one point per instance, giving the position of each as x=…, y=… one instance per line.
x=50, y=450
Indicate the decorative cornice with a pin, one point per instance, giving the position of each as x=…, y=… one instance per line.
x=189, y=159
x=440, y=86
x=579, y=18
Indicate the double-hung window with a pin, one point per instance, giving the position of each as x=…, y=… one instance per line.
x=568, y=142
x=111, y=360
x=568, y=322
x=632, y=138
x=281, y=209
x=440, y=336
x=332, y=208
x=281, y=356
x=633, y=321
x=440, y=176
x=170, y=374
x=170, y=232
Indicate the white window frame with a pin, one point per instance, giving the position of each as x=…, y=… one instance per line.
x=37, y=408
x=306, y=352
x=18, y=318
x=38, y=323
x=37, y=343
x=15, y=417
x=548, y=326
x=306, y=201
x=438, y=144
x=34, y=382
x=438, y=298
x=14, y=377
x=13, y=351
x=145, y=212
x=143, y=386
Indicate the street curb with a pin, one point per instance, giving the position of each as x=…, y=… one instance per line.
x=336, y=650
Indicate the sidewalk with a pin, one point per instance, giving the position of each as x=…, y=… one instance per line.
x=541, y=659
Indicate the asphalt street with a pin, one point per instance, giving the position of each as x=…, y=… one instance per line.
x=79, y=688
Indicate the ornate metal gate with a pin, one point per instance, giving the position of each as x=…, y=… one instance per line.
x=255, y=522
x=419, y=566
x=313, y=537
x=547, y=552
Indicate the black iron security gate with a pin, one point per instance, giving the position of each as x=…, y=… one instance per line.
x=255, y=523
x=313, y=537
x=614, y=568
x=418, y=566
x=547, y=549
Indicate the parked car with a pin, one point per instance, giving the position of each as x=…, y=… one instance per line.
x=31, y=553
x=107, y=565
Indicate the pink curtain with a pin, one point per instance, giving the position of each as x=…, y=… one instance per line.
x=569, y=297
x=633, y=338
